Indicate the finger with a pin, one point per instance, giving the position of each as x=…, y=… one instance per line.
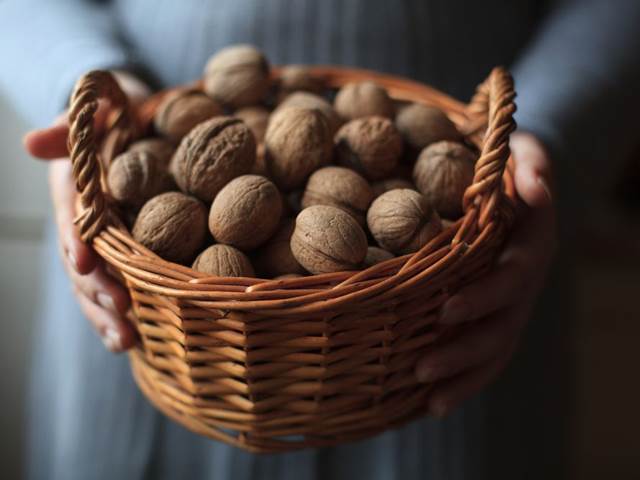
x=532, y=173
x=517, y=274
x=51, y=142
x=515, y=277
x=47, y=143
x=450, y=394
x=116, y=332
x=102, y=289
x=81, y=256
x=474, y=346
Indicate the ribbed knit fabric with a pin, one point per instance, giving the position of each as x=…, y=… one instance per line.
x=575, y=80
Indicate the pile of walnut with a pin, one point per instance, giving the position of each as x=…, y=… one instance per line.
x=250, y=177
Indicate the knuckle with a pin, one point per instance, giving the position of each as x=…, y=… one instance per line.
x=86, y=288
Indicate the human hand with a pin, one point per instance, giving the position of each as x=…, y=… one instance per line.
x=497, y=307
x=102, y=299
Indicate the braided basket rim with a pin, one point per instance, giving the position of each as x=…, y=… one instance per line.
x=138, y=264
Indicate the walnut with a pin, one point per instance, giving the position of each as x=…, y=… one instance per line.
x=211, y=155
x=383, y=186
x=402, y=221
x=237, y=76
x=376, y=255
x=275, y=258
x=256, y=118
x=339, y=187
x=297, y=142
x=183, y=109
x=259, y=167
x=246, y=212
x=369, y=145
x=363, y=99
x=327, y=239
x=159, y=148
x=295, y=78
x=309, y=100
x=136, y=176
x=223, y=261
x=173, y=225
x=442, y=173
x=421, y=125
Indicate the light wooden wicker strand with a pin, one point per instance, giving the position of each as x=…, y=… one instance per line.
x=279, y=365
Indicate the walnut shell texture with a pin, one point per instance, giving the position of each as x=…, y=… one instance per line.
x=297, y=142
x=211, y=155
x=383, y=186
x=223, y=261
x=339, y=187
x=246, y=212
x=237, y=76
x=295, y=78
x=327, y=239
x=256, y=118
x=160, y=149
x=402, y=221
x=310, y=100
x=363, y=99
x=275, y=258
x=369, y=145
x=173, y=225
x=183, y=109
x=136, y=176
x=442, y=173
x=421, y=125
x=376, y=255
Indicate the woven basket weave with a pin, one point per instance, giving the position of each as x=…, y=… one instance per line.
x=273, y=366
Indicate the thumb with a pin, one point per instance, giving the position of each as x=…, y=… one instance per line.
x=532, y=172
x=51, y=143
x=48, y=143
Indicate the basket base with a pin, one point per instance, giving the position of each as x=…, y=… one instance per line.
x=404, y=405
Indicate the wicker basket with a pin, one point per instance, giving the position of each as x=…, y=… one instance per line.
x=273, y=366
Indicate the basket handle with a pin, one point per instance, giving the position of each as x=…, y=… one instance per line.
x=83, y=146
x=494, y=103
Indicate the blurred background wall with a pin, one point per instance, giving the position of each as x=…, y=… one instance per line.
x=23, y=208
x=605, y=440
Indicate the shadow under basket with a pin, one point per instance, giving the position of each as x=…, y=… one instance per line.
x=279, y=365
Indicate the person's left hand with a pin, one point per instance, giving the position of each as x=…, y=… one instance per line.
x=497, y=307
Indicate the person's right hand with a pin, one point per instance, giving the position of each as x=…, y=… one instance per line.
x=102, y=299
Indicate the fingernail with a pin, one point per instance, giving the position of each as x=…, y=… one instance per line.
x=106, y=302
x=545, y=186
x=112, y=340
x=456, y=310
x=439, y=409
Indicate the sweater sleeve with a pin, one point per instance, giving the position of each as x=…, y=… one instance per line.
x=46, y=45
x=578, y=86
